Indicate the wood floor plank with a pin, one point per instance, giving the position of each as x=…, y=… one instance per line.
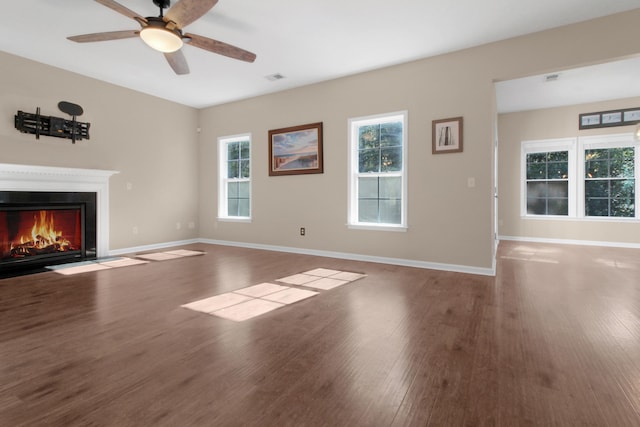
x=553, y=340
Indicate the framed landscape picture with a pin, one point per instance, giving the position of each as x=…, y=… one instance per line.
x=446, y=136
x=296, y=150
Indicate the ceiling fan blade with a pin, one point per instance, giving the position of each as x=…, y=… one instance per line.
x=219, y=47
x=178, y=62
x=185, y=12
x=100, y=37
x=111, y=4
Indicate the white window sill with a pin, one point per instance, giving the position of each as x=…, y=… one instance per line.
x=381, y=227
x=234, y=219
x=583, y=218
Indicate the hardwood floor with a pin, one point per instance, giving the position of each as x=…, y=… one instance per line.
x=552, y=340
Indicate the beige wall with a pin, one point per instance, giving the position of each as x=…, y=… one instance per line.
x=547, y=124
x=152, y=142
x=448, y=222
x=154, y=145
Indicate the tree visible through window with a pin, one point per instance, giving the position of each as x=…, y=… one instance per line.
x=378, y=170
x=610, y=182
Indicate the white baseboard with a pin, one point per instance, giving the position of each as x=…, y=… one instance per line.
x=571, y=242
x=358, y=257
x=152, y=247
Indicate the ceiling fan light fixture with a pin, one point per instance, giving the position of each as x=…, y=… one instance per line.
x=161, y=39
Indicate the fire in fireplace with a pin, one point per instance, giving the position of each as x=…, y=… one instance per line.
x=31, y=233
x=45, y=228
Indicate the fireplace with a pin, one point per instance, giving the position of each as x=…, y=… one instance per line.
x=51, y=215
x=45, y=228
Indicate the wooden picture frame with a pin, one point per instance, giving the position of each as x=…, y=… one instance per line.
x=446, y=136
x=296, y=150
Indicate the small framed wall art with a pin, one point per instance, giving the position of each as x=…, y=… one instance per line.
x=296, y=150
x=446, y=136
x=603, y=119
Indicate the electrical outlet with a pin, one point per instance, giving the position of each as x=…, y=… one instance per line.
x=178, y=226
x=135, y=229
x=302, y=231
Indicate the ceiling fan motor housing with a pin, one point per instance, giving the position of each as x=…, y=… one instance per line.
x=162, y=4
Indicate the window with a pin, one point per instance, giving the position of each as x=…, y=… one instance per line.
x=589, y=177
x=377, y=171
x=548, y=177
x=234, y=183
x=610, y=187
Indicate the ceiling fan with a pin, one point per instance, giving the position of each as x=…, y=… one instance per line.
x=165, y=32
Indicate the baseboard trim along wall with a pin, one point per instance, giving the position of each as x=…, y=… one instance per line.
x=358, y=257
x=153, y=247
x=572, y=242
x=339, y=255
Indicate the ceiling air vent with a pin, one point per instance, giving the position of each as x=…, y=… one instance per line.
x=551, y=77
x=274, y=77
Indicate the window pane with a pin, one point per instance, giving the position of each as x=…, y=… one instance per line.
x=596, y=169
x=536, y=206
x=232, y=207
x=390, y=211
x=558, y=190
x=558, y=156
x=536, y=171
x=391, y=134
x=368, y=188
x=233, y=151
x=596, y=206
x=536, y=190
x=391, y=159
x=243, y=190
x=558, y=207
x=233, y=169
x=548, y=198
x=232, y=190
x=391, y=188
x=244, y=150
x=594, y=188
x=369, y=161
x=622, y=164
x=367, y=210
x=537, y=158
x=243, y=207
x=244, y=169
x=369, y=137
x=558, y=170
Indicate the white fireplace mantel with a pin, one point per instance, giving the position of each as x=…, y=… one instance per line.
x=45, y=178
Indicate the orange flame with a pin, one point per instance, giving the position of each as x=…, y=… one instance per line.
x=43, y=233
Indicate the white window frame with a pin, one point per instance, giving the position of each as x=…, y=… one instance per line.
x=545, y=146
x=576, y=148
x=223, y=180
x=620, y=140
x=352, y=214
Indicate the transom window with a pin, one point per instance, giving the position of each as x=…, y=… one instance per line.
x=377, y=190
x=234, y=190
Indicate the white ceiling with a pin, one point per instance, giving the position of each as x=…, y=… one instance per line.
x=307, y=41
x=611, y=80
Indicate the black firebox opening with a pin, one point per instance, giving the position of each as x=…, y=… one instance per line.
x=39, y=229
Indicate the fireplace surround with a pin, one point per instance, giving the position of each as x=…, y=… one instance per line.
x=45, y=193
